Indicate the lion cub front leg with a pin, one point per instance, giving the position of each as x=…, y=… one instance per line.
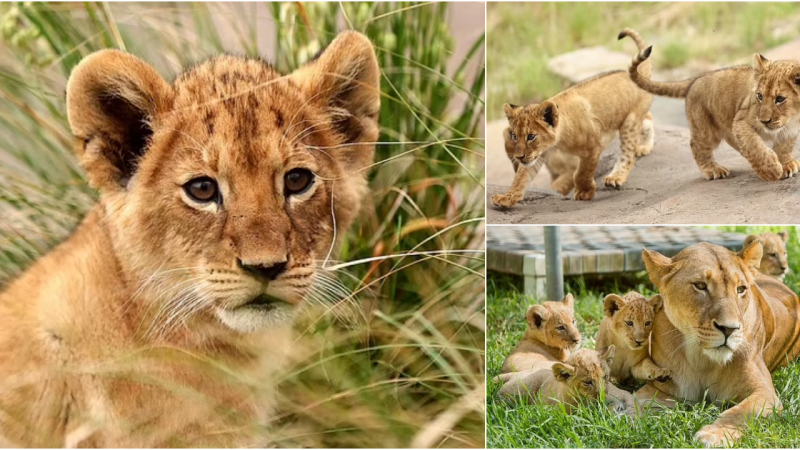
x=784, y=150
x=629, y=135
x=647, y=370
x=517, y=190
x=762, y=159
x=584, y=177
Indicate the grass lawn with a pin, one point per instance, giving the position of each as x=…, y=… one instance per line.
x=522, y=37
x=529, y=426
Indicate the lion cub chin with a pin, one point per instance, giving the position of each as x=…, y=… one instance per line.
x=584, y=376
x=581, y=121
x=627, y=325
x=744, y=106
x=550, y=336
x=775, y=259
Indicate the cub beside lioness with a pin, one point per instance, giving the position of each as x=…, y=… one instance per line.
x=743, y=105
x=582, y=120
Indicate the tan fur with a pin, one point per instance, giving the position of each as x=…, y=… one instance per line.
x=561, y=165
x=582, y=121
x=550, y=336
x=775, y=261
x=705, y=287
x=724, y=104
x=132, y=332
x=627, y=325
x=582, y=376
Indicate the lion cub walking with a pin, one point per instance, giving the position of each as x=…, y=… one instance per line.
x=774, y=261
x=582, y=120
x=743, y=105
x=550, y=337
x=627, y=325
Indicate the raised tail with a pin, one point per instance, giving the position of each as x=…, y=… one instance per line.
x=646, y=67
x=676, y=89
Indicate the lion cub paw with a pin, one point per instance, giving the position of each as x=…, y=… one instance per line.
x=715, y=171
x=562, y=187
x=790, y=169
x=643, y=150
x=715, y=436
x=507, y=200
x=584, y=195
x=660, y=375
x=770, y=171
x=615, y=181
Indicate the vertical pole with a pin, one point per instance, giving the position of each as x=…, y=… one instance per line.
x=554, y=269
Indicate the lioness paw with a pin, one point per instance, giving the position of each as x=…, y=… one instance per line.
x=712, y=436
x=715, y=171
x=506, y=201
x=790, y=169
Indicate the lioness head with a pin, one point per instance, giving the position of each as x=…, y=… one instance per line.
x=706, y=290
x=777, y=91
x=632, y=316
x=532, y=129
x=229, y=186
x=586, y=371
x=553, y=323
x=775, y=261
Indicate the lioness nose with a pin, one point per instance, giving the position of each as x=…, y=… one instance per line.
x=726, y=330
x=263, y=271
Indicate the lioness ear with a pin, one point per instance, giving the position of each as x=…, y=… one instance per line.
x=658, y=266
x=345, y=79
x=549, y=113
x=112, y=99
x=656, y=302
x=536, y=316
x=511, y=110
x=563, y=372
x=760, y=63
x=608, y=353
x=784, y=235
x=569, y=302
x=752, y=254
x=749, y=240
x=612, y=303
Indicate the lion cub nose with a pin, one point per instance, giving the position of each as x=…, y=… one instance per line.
x=726, y=330
x=263, y=271
x=766, y=122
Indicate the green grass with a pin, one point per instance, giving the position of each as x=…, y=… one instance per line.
x=524, y=36
x=537, y=426
x=418, y=352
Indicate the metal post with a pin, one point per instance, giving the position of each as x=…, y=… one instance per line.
x=554, y=269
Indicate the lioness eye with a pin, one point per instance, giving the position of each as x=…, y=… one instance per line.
x=514, y=137
x=779, y=100
x=203, y=190
x=759, y=96
x=701, y=286
x=531, y=137
x=741, y=289
x=629, y=323
x=297, y=181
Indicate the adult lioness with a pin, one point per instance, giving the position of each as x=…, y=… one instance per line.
x=162, y=320
x=722, y=330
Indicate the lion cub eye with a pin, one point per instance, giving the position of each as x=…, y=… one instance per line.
x=531, y=137
x=297, y=181
x=202, y=190
x=741, y=289
x=514, y=137
x=779, y=100
x=629, y=323
x=587, y=383
x=648, y=323
x=774, y=255
x=700, y=286
x=561, y=328
x=759, y=96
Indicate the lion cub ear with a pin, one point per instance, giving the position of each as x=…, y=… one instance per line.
x=784, y=235
x=549, y=113
x=760, y=63
x=752, y=254
x=345, y=80
x=511, y=110
x=608, y=353
x=658, y=266
x=112, y=99
x=563, y=372
x=537, y=315
x=656, y=302
x=612, y=303
x=569, y=301
x=750, y=239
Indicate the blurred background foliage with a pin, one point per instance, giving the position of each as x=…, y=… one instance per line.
x=410, y=369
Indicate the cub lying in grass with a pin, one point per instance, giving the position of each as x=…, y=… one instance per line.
x=550, y=336
x=627, y=325
x=774, y=261
x=582, y=120
x=583, y=376
x=743, y=105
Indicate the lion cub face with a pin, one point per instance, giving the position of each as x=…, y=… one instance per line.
x=227, y=188
x=586, y=371
x=775, y=261
x=632, y=316
x=777, y=92
x=706, y=290
x=553, y=323
x=533, y=129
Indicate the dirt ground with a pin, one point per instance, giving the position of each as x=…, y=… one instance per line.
x=665, y=187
